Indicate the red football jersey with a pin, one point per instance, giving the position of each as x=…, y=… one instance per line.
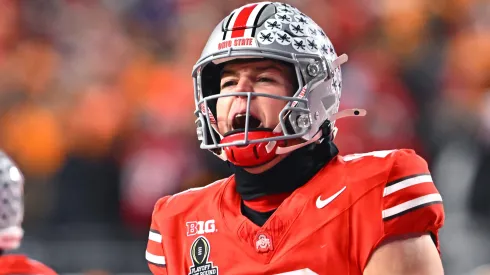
x=331, y=225
x=20, y=264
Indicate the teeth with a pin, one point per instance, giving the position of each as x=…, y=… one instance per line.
x=239, y=122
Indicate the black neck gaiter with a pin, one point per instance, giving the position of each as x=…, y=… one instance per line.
x=291, y=173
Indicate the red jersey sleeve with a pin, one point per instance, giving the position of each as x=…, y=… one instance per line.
x=21, y=264
x=411, y=203
x=155, y=254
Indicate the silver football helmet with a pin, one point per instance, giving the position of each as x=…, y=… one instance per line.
x=12, y=203
x=280, y=32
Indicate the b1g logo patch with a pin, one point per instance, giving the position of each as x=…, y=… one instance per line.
x=200, y=250
x=200, y=227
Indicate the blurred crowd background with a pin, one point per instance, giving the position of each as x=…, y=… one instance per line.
x=96, y=106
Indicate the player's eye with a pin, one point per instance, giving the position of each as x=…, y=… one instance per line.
x=265, y=79
x=228, y=83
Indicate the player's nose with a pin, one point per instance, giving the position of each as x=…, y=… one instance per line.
x=244, y=85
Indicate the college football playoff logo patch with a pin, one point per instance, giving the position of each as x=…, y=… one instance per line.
x=200, y=250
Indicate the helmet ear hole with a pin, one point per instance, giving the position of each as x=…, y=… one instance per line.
x=289, y=128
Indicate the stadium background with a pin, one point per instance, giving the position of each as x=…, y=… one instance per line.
x=96, y=106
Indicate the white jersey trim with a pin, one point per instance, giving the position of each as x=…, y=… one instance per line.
x=411, y=204
x=154, y=259
x=406, y=183
x=155, y=237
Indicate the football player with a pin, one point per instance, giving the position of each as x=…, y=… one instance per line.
x=267, y=91
x=11, y=216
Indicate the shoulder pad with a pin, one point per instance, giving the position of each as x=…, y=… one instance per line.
x=188, y=199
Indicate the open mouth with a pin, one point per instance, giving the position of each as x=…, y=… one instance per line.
x=238, y=122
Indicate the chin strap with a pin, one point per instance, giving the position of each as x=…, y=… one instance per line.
x=285, y=150
x=340, y=60
x=342, y=114
x=348, y=113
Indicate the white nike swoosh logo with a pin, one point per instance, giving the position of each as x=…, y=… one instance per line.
x=322, y=203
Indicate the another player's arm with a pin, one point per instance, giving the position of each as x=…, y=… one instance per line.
x=411, y=217
x=155, y=254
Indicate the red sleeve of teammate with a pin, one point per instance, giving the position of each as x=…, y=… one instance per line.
x=411, y=202
x=21, y=264
x=155, y=254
